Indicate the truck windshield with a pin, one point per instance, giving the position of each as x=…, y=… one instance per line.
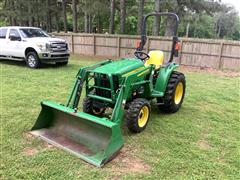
x=31, y=33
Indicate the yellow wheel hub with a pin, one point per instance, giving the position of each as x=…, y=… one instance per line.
x=143, y=116
x=97, y=111
x=178, y=93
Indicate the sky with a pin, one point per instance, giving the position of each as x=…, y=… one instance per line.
x=235, y=3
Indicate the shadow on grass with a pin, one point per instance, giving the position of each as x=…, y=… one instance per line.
x=13, y=63
x=43, y=65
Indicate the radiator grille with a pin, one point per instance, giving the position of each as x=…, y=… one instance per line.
x=102, y=80
x=59, y=47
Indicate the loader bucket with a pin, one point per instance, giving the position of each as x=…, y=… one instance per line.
x=93, y=139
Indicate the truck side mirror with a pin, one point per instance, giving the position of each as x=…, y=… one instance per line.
x=13, y=37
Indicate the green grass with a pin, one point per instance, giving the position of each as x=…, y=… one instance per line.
x=201, y=141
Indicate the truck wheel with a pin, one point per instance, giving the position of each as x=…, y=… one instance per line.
x=88, y=107
x=137, y=115
x=174, y=94
x=32, y=60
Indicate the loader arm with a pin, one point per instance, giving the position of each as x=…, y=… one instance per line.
x=81, y=76
x=126, y=87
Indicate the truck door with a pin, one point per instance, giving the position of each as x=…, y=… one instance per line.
x=15, y=44
x=3, y=41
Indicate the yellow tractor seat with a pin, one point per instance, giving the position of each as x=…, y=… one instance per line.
x=156, y=58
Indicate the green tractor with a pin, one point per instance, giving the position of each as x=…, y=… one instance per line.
x=114, y=90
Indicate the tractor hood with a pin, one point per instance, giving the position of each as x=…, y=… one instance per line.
x=120, y=67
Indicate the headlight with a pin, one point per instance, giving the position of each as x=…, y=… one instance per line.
x=141, y=90
x=42, y=46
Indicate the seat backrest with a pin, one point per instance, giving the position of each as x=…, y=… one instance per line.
x=156, y=58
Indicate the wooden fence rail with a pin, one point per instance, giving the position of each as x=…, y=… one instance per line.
x=218, y=54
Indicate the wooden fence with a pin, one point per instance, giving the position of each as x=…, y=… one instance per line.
x=218, y=54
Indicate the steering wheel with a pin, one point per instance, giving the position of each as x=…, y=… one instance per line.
x=141, y=55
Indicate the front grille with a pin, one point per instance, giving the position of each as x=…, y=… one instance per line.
x=102, y=80
x=58, y=47
x=115, y=82
x=59, y=55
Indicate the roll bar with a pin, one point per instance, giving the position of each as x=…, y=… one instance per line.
x=144, y=30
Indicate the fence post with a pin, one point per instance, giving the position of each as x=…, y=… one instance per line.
x=220, y=56
x=148, y=44
x=180, y=51
x=72, y=42
x=94, y=45
x=119, y=47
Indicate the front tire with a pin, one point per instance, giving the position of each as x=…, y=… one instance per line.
x=137, y=115
x=88, y=107
x=32, y=60
x=174, y=95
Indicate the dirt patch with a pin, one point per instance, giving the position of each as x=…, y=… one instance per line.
x=203, y=144
x=30, y=151
x=47, y=145
x=210, y=70
x=30, y=138
x=125, y=162
x=27, y=135
x=34, y=145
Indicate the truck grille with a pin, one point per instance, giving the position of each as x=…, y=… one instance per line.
x=59, y=47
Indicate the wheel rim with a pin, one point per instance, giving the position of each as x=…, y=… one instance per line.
x=178, y=93
x=31, y=61
x=98, y=111
x=143, y=116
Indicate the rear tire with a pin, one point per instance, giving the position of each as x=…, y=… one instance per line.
x=32, y=60
x=88, y=107
x=137, y=115
x=174, y=94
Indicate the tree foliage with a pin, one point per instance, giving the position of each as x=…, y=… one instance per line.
x=199, y=18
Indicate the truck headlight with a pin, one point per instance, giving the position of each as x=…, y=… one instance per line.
x=42, y=46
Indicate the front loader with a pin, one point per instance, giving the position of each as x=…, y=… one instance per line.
x=114, y=91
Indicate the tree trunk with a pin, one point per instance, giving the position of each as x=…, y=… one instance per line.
x=89, y=23
x=37, y=14
x=85, y=22
x=30, y=14
x=56, y=15
x=195, y=32
x=171, y=23
x=57, y=24
x=99, y=24
x=157, y=20
x=64, y=15
x=140, y=16
x=187, y=29
x=12, y=18
x=122, y=16
x=112, y=17
x=219, y=31
x=48, y=16
x=75, y=19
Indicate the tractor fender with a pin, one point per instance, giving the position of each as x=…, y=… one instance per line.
x=163, y=77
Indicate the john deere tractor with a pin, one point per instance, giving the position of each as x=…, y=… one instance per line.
x=114, y=92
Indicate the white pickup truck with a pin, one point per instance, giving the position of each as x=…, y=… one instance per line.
x=32, y=45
